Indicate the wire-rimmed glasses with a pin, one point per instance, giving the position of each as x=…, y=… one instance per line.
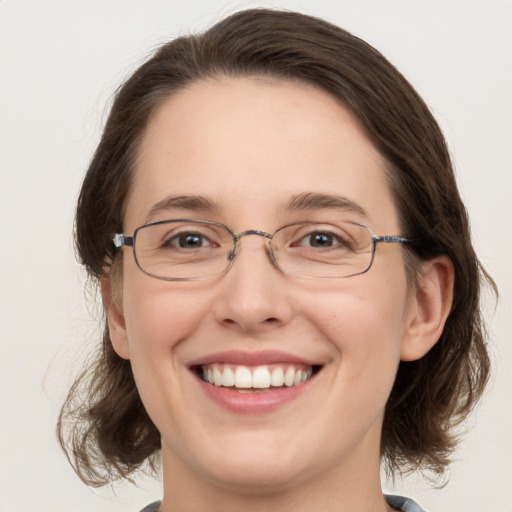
x=189, y=249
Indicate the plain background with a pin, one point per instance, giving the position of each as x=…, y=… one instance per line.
x=60, y=62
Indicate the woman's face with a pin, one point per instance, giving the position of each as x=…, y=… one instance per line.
x=251, y=149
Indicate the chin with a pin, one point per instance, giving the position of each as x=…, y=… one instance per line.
x=258, y=477
x=257, y=464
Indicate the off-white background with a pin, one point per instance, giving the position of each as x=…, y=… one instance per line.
x=60, y=61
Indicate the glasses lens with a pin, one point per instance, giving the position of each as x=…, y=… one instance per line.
x=325, y=250
x=183, y=249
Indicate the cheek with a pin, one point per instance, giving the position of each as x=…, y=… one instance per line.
x=359, y=316
x=366, y=322
x=159, y=316
x=367, y=345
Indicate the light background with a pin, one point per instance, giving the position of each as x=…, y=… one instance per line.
x=60, y=62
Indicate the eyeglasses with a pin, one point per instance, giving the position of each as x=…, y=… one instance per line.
x=185, y=249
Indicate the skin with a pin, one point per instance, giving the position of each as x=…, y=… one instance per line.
x=250, y=145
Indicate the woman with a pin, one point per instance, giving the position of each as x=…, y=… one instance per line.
x=291, y=293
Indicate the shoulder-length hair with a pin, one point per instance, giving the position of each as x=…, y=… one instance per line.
x=103, y=425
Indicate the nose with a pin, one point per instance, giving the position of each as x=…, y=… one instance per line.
x=254, y=294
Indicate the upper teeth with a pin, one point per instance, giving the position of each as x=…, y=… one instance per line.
x=260, y=377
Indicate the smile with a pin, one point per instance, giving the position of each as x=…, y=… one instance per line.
x=253, y=383
x=259, y=378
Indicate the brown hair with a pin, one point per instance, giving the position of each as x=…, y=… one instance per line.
x=103, y=425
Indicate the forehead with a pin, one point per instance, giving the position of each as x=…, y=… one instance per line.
x=250, y=145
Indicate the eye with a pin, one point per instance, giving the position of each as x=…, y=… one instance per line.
x=321, y=239
x=188, y=240
x=318, y=239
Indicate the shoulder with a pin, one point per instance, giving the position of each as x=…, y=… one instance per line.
x=154, y=507
x=403, y=504
x=399, y=502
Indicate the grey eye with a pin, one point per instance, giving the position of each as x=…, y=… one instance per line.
x=189, y=241
x=321, y=239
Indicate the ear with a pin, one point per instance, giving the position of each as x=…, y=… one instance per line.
x=431, y=303
x=116, y=324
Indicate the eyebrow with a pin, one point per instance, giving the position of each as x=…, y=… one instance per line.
x=187, y=202
x=316, y=201
x=300, y=202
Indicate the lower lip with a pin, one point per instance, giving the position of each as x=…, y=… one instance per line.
x=252, y=402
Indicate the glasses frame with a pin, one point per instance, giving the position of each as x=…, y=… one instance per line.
x=121, y=240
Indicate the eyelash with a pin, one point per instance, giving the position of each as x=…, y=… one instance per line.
x=335, y=240
x=169, y=241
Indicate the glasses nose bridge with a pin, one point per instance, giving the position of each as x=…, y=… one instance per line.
x=247, y=232
x=256, y=232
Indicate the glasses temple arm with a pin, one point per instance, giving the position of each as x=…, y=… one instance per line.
x=121, y=240
x=390, y=239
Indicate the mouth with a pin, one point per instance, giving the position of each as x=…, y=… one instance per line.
x=255, y=383
x=255, y=379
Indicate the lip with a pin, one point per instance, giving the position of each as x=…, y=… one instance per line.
x=238, y=357
x=252, y=403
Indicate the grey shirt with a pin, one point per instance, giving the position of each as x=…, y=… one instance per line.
x=403, y=504
x=398, y=502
